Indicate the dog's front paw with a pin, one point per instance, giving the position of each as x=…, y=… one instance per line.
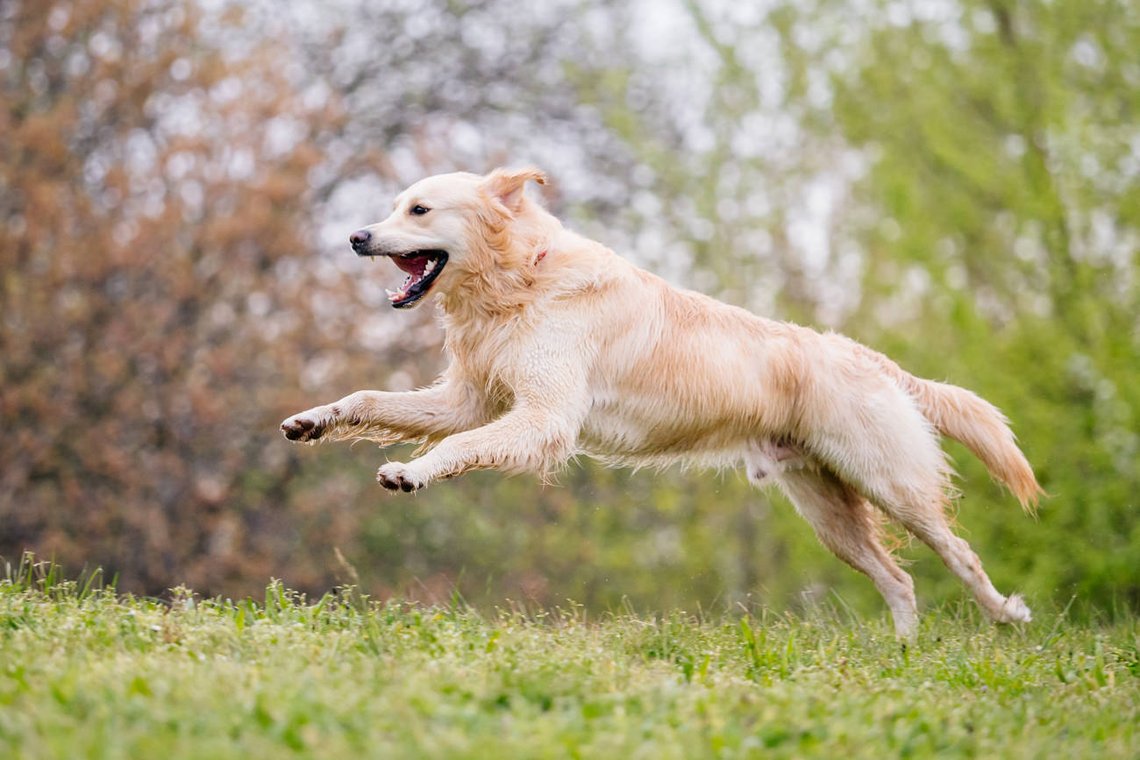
x=397, y=476
x=306, y=426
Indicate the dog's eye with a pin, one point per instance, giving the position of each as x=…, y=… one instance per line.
x=418, y=210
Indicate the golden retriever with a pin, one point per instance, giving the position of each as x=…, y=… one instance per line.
x=559, y=347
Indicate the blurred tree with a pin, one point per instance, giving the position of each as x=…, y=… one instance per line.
x=151, y=186
x=954, y=183
x=999, y=223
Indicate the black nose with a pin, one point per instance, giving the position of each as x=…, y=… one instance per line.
x=359, y=239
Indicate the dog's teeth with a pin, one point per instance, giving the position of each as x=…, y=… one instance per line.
x=392, y=295
x=430, y=266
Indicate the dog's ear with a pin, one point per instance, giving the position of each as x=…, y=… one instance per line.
x=507, y=185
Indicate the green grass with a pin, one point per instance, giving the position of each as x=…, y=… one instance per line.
x=88, y=673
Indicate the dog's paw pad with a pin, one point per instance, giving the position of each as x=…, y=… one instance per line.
x=302, y=427
x=395, y=477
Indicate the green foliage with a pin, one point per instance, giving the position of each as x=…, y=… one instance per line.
x=97, y=675
x=1002, y=174
x=164, y=306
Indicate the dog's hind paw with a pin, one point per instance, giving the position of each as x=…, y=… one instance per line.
x=1015, y=610
x=396, y=476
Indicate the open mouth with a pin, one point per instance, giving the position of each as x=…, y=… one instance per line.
x=422, y=268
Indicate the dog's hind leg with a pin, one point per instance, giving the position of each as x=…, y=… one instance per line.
x=849, y=526
x=896, y=462
x=929, y=524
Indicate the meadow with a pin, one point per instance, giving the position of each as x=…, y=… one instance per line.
x=88, y=672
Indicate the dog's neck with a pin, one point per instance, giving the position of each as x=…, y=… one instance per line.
x=505, y=289
x=507, y=273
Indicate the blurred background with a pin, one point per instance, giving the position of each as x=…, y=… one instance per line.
x=956, y=183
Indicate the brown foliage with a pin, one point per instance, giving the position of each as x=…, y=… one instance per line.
x=152, y=197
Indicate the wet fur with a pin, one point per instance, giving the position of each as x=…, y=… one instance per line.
x=558, y=347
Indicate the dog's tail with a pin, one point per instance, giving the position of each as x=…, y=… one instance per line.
x=978, y=425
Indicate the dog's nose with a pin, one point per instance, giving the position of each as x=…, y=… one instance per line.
x=359, y=239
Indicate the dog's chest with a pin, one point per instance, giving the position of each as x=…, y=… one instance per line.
x=486, y=360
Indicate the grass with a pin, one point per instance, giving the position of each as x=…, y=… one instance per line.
x=85, y=672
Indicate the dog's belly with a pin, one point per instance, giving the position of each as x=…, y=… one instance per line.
x=606, y=431
x=642, y=430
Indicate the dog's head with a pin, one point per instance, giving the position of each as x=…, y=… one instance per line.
x=447, y=229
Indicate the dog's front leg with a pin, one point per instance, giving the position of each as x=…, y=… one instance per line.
x=526, y=439
x=437, y=411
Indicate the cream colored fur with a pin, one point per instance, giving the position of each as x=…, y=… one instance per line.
x=558, y=347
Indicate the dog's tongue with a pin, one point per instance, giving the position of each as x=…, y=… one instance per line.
x=417, y=267
x=413, y=265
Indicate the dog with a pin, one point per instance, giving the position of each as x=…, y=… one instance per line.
x=558, y=347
